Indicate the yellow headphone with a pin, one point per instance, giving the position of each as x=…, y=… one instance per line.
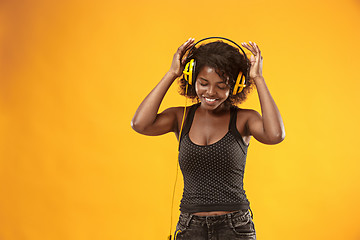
x=189, y=70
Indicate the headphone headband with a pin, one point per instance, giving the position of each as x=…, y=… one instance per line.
x=201, y=40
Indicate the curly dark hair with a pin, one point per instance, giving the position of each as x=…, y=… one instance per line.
x=227, y=62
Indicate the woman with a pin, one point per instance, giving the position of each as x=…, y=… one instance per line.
x=214, y=140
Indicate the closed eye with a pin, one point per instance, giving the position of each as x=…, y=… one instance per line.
x=222, y=86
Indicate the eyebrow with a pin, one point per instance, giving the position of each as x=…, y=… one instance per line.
x=208, y=80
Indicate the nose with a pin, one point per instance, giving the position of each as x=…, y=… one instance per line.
x=211, y=91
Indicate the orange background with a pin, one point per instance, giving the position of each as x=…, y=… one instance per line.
x=72, y=74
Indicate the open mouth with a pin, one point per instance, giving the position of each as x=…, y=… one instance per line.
x=210, y=100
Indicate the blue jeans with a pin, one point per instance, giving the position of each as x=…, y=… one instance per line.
x=234, y=225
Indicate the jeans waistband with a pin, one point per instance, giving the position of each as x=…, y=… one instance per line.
x=185, y=218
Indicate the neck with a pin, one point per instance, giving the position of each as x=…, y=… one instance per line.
x=222, y=109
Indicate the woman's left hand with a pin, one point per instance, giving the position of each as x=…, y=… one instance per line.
x=256, y=60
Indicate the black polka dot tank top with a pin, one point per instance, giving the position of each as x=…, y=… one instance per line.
x=213, y=174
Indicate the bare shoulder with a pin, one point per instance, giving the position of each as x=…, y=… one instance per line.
x=178, y=113
x=244, y=113
x=251, y=113
x=243, y=117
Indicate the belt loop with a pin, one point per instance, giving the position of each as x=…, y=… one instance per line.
x=252, y=216
x=230, y=219
x=189, y=219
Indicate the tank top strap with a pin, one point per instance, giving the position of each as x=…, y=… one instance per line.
x=189, y=119
x=233, y=129
x=233, y=115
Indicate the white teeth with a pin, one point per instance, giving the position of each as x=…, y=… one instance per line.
x=210, y=99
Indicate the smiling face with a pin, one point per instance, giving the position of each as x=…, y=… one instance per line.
x=211, y=89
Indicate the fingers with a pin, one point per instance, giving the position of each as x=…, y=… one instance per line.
x=249, y=47
x=190, y=44
x=257, y=49
x=186, y=46
x=253, y=48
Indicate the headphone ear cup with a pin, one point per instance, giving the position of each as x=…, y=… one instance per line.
x=189, y=71
x=239, y=84
x=186, y=71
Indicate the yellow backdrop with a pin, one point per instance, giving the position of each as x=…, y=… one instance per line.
x=72, y=74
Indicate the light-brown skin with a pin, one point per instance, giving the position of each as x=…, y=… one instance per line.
x=211, y=119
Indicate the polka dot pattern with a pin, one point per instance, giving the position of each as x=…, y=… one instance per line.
x=213, y=174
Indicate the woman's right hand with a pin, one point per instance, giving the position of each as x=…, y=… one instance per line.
x=178, y=63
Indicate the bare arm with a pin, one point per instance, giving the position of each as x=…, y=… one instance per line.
x=269, y=127
x=146, y=120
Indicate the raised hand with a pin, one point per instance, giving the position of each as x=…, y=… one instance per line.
x=256, y=59
x=178, y=63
